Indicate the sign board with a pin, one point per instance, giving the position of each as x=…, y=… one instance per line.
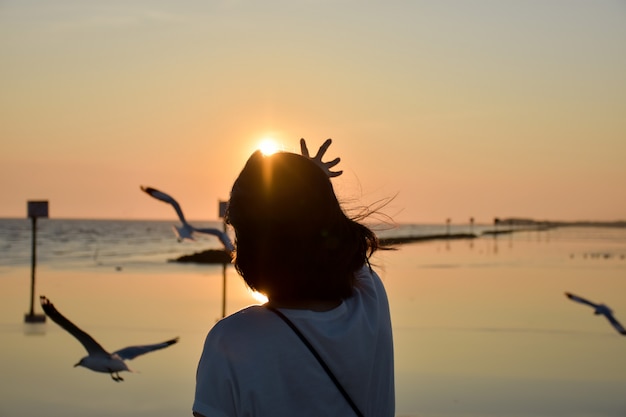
x=38, y=209
x=222, y=209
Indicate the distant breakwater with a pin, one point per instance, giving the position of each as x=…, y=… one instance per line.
x=501, y=227
x=399, y=240
x=222, y=256
x=210, y=256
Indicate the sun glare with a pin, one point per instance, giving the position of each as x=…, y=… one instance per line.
x=258, y=297
x=268, y=146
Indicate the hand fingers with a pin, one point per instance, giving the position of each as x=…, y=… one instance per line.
x=323, y=149
x=326, y=166
x=303, y=149
x=332, y=163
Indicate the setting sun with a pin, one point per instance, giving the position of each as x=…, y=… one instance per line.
x=268, y=146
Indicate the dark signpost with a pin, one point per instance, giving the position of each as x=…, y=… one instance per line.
x=36, y=209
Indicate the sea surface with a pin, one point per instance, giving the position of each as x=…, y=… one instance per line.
x=482, y=327
x=88, y=243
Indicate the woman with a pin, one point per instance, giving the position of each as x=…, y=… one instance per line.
x=295, y=244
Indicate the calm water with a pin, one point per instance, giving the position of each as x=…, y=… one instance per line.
x=87, y=243
x=481, y=326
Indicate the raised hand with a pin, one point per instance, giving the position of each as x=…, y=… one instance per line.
x=326, y=166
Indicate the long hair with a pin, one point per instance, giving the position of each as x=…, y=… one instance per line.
x=293, y=241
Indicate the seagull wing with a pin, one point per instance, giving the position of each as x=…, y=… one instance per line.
x=132, y=352
x=183, y=232
x=160, y=195
x=616, y=324
x=222, y=236
x=93, y=347
x=580, y=300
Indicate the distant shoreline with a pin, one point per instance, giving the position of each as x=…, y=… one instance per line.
x=513, y=221
x=503, y=221
x=503, y=226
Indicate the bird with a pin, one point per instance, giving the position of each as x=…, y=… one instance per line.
x=98, y=359
x=600, y=309
x=186, y=231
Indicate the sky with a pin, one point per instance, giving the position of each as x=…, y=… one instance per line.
x=439, y=109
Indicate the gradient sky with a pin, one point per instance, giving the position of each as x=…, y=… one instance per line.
x=469, y=108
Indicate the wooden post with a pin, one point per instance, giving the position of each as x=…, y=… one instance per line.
x=33, y=265
x=35, y=209
x=222, y=206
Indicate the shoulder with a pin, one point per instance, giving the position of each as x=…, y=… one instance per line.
x=235, y=332
x=247, y=319
x=368, y=281
x=240, y=342
x=370, y=297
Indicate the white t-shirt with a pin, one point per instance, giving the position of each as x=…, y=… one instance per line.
x=254, y=365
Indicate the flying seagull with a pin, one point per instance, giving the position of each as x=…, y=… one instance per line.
x=100, y=360
x=599, y=309
x=186, y=231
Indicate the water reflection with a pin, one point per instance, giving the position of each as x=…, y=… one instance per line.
x=478, y=331
x=34, y=329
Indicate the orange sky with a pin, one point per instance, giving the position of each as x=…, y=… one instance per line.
x=457, y=108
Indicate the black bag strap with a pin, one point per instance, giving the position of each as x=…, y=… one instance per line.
x=319, y=359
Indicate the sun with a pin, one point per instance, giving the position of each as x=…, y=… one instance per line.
x=268, y=146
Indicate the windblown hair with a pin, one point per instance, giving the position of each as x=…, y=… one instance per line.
x=293, y=240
